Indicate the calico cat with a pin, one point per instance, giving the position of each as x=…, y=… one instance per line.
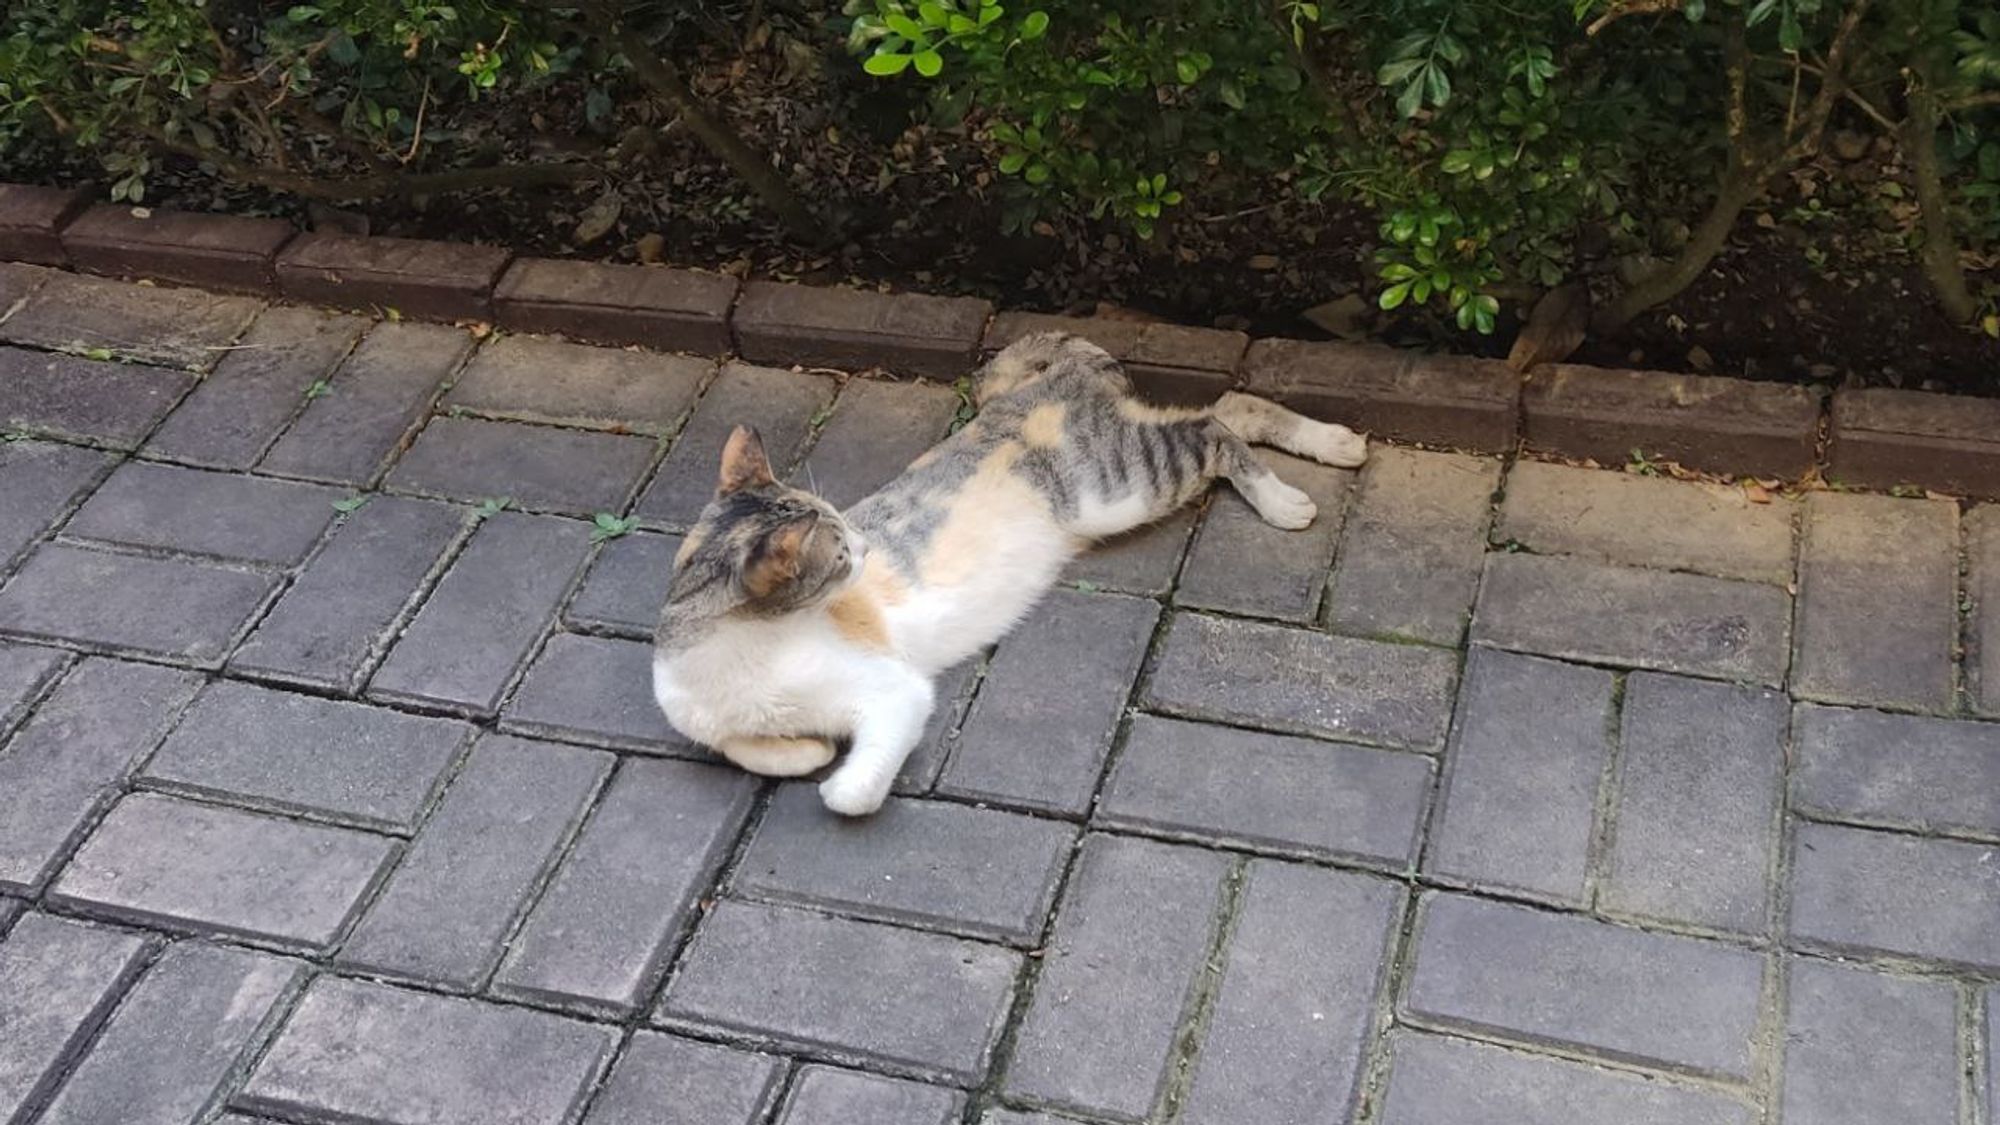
x=789, y=626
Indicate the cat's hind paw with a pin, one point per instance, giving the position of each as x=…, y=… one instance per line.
x=1281, y=505
x=851, y=794
x=1331, y=444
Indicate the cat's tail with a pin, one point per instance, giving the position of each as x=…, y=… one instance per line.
x=1262, y=422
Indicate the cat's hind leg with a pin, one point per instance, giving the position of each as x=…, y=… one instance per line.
x=777, y=757
x=1262, y=422
x=1275, y=502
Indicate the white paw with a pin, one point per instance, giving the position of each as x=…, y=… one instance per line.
x=1332, y=445
x=852, y=794
x=1281, y=505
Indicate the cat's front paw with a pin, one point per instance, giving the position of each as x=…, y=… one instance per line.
x=851, y=794
x=1330, y=444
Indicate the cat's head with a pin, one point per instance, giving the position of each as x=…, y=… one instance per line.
x=762, y=546
x=1033, y=356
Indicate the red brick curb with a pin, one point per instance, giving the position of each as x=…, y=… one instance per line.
x=1881, y=438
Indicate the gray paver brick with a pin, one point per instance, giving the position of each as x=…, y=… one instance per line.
x=114, y=404
x=665, y=1080
x=174, y=327
x=627, y=584
x=445, y=915
x=335, y=620
x=58, y=980
x=1297, y=1002
x=1243, y=788
x=900, y=999
x=1670, y=622
x=1992, y=1052
x=1695, y=821
x=1982, y=666
x=166, y=1055
x=235, y=413
x=40, y=480
x=18, y=280
x=358, y=1051
x=1903, y=771
x=1042, y=725
x=1866, y=1049
x=1292, y=679
x=1436, y=1081
x=1118, y=975
x=10, y=909
x=824, y=1095
x=1019, y=1117
x=165, y=862
x=1518, y=807
x=1925, y=898
x=23, y=671
x=979, y=872
x=253, y=519
x=1677, y=1002
x=601, y=934
x=1138, y=562
x=479, y=625
x=877, y=429
x=780, y=404
x=1878, y=612
x=594, y=689
x=168, y=607
x=301, y=753
x=541, y=380
x=1647, y=521
x=68, y=760
x=1240, y=564
x=372, y=404
x=1409, y=562
x=541, y=468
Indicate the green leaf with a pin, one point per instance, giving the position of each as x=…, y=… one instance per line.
x=1694, y=10
x=1761, y=12
x=1420, y=290
x=97, y=353
x=1035, y=25
x=493, y=507
x=1187, y=71
x=962, y=25
x=929, y=63
x=1392, y=73
x=1438, y=85
x=883, y=66
x=1394, y=296
x=319, y=389
x=1038, y=173
x=1412, y=98
x=1159, y=183
x=604, y=526
x=1397, y=271
x=1231, y=94
x=352, y=503
x=1013, y=162
x=933, y=13
x=903, y=25
x=1455, y=162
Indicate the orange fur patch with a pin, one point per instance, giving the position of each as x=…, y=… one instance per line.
x=1043, y=427
x=1132, y=410
x=857, y=610
x=987, y=503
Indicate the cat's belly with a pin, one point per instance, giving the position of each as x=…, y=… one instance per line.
x=709, y=700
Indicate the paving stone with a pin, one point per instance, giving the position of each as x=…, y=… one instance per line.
x=340, y=615
x=301, y=753
x=1409, y=562
x=666, y=1080
x=446, y=913
x=978, y=872
x=360, y=1051
x=1292, y=679
x=65, y=396
x=1929, y=899
x=1297, y=1001
x=1117, y=978
x=235, y=413
x=780, y=404
x=600, y=937
x=482, y=621
x=1992, y=1052
x=18, y=281
x=824, y=1095
x=1685, y=623
x=1702, y=767
x=1704, y=422
x=1652, y=998
x=70, y=758
x=371, y=406
x=1017, y=1117
x=677, y=310
x=253, y=519
x=851, y=329
x=594, y=689
x=23, y=671
x=1647, y=521
x=537, y=380
x=627, y=584
x=32, y=218
x=914, y=1002
x=185, y=328
x=1435, y=1080
x=232, y=253
x=540, y=468
x=1878, y=601
x=175, y=864
x=1453, y=401
x=953, y=689
x=1897, y=771
x=1140, y=562
x=1042, y=725
x=1982, y=662
x=1885, y=437
x=1518, y=806
x=416, y=277
x=168, y=1053
x=10, y=909
x=1244, y=789
x=1240, y=564
x=41, y=480
x=877, y=429
x=1863, y=1048
x=167, y=607
x=58, y=980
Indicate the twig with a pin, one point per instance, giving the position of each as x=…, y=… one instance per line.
x=1630, y=8
x=417, y=133
x=1974, y=101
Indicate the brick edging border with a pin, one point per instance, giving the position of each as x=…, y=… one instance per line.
x=1876, y=438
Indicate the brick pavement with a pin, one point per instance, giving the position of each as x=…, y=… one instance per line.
x=1511, y=794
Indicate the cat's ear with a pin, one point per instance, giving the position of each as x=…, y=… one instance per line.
x=777, y=560
x=744, y=464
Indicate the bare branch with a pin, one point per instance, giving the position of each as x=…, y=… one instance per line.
x=1631, y=8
